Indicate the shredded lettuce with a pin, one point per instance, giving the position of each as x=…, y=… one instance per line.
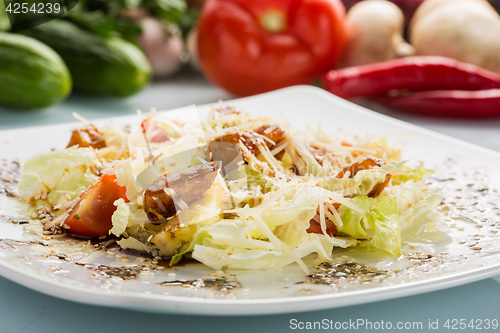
x=218, y=251
x=310, y=166
x=279, y=241
x=299, y=210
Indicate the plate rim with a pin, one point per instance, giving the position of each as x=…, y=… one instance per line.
x=233, y=307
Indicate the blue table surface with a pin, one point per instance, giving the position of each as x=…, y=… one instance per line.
x=25, y=310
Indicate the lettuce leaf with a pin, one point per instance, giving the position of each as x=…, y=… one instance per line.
x=63, y=174
x=417, y=207
x=414, y=220
x=379, y=222
x=406, y=174
x=362, y=183
x=126, y=215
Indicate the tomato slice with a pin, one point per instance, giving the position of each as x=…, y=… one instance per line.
x=315, y=226
x=154, y=131
x=91, y=216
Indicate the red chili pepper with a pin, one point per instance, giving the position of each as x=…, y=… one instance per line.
x=447, y=103
x=412, y=73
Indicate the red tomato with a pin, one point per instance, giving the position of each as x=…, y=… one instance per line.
x=315, y=225
x=248, y=47
x=154, y=131
x=91, y=217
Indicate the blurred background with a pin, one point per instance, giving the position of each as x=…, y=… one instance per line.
x=430, y=58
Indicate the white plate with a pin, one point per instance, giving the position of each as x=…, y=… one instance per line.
x=474, y=253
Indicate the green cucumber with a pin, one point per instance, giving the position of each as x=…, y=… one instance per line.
x=32, y=75
x=98, y=65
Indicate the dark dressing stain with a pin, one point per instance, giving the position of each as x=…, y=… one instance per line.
x=217, y=283
x=125, y=272
x=328, y=273
x=104, y=244
x=6, y=243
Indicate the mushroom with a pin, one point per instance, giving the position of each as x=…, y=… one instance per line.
x=375, y=33
x=466, y=30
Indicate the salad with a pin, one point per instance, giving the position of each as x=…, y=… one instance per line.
x=232, y=191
